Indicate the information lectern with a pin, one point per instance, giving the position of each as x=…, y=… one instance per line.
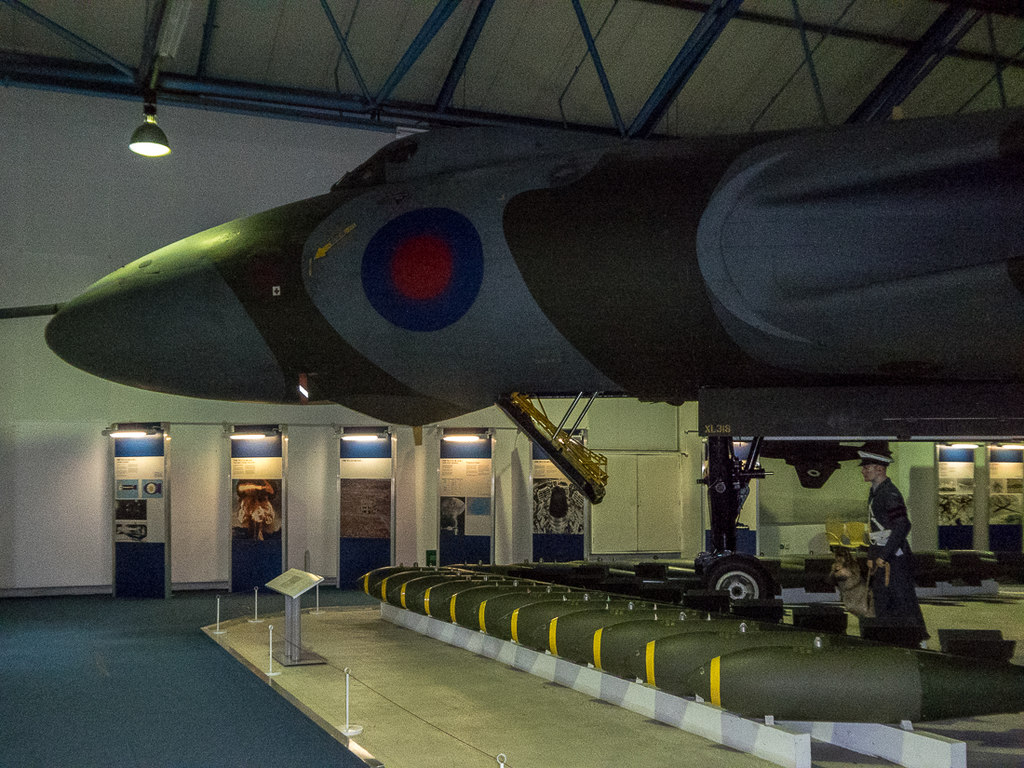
x=294, y=583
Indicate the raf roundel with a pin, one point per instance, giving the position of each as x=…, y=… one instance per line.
x=422, y=270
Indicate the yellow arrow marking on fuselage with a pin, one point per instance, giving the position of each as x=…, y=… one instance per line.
x=323, y=249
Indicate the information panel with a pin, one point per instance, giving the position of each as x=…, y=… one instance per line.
x=257, y=507
x=466, y=502
x=1006, y=498
x=559, y=510
x=956, y=497
x=142, y=520
x=366, y=493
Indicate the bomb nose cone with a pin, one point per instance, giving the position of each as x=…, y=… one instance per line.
x=170, y=323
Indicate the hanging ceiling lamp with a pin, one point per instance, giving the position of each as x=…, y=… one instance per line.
x=148, y=139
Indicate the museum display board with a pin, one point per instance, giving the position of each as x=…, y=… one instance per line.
x=257, y=505
x=367, y=504
x=1006, y=498
x=142, y=519
x=956, y=497
x=559, y=511
x=466, y=498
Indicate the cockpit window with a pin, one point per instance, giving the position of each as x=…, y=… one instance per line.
x=373, y=172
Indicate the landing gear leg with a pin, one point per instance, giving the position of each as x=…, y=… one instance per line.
x=728, y=481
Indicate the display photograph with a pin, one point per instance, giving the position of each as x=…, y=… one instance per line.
x=256, y=509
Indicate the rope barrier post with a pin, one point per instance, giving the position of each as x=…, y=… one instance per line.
x=350, y=730
x=218, y=630
x=255, y=607
x=270, y=666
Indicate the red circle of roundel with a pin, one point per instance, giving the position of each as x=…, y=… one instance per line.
x=423, y=269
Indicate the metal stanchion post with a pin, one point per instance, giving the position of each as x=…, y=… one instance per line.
x=255, y=607
x=270, y=667
x=218, y=630
x=350, y=730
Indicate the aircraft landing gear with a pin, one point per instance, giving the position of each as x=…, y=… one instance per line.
x=728, y=481
x=742, y=576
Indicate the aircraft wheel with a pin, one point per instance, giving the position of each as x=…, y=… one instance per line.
x=742, y=579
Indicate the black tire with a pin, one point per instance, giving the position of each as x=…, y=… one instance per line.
x=744, y=578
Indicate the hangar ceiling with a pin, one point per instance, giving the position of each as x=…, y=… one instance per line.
x=627, y=67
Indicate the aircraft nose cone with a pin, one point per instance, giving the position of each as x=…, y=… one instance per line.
x=170, y=323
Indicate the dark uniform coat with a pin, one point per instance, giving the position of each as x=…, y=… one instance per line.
x=889, y=528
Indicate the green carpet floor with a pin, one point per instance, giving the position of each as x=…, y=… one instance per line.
x=96, y=681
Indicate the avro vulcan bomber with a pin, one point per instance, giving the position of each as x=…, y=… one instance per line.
x=860, y=282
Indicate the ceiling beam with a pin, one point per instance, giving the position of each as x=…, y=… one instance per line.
x=476, y=25
x=427, y=32
x=592, y=47
x=686, y=62
x=249, y=98
x=940, y=38
x=208, y=28
x=844, y=33
x=340, y=36
x=71, y=37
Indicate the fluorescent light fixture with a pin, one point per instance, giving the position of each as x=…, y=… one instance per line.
x=132, y=430
x=364, y=434
x=964, y=446
x=253, y=432
x=1013, y=446
x=464, y=435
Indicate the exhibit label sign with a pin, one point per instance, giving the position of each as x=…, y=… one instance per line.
x=956, y=497
x=559, y=510
x=141, y=517
x=367, y=506
x=466, y=503
x=1006, y=498
x=257, y=508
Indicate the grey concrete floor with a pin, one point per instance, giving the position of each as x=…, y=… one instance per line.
x=423, y=703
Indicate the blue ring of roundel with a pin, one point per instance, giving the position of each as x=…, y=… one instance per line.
x=466, y=272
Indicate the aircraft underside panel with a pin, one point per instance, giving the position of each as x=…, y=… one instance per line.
x=929, y=412
x=885, y=251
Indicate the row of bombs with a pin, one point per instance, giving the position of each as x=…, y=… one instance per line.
x=747, y=667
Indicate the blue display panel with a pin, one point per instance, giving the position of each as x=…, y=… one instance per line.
x=257, y=509
x=141, y=517
x=365, y=490
x=956, y=497
x=466, y=514
x=139, y=569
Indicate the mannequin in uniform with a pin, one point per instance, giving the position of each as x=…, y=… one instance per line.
x=890, y=558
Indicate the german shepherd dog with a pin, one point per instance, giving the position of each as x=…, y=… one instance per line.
x=848, y=576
